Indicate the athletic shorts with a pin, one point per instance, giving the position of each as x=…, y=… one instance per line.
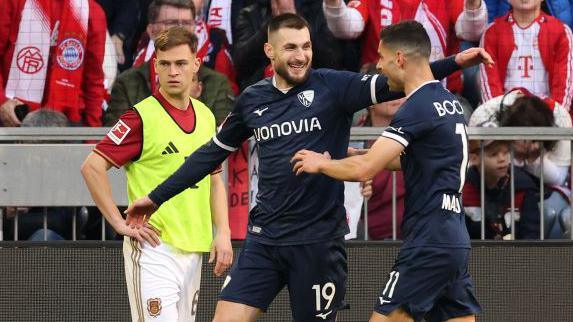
x=431, y=283
x=315, y=275
x=162, y=282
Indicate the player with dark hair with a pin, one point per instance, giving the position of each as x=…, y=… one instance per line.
x=427, y=140
x=296, y=230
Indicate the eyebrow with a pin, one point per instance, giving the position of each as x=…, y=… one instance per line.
x=163, y=61
x=289, y=44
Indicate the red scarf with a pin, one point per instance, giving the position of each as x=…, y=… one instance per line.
x=55, y=54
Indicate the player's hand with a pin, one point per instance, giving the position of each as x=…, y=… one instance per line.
x=474, y=56
x=8, y=115
x=221, y=253
x=147, y=234
x=366, y=189
x=308, y=161
x=139, y=212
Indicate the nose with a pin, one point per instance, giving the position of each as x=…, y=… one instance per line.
x=173, y=70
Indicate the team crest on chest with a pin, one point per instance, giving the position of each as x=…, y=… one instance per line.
x=306, y=97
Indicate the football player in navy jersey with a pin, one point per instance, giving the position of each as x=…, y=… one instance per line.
x=427, y=140
x=296, y=231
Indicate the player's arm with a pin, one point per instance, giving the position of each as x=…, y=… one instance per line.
x=94, y=170
x=355, y=168
x=221, y=250
x=199, y=164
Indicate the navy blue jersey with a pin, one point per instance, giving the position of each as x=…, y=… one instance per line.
x=431, y=127
x=315, y=115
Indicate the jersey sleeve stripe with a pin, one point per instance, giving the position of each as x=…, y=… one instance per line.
x=223, y=146
x=396, y=138
x=373, y=89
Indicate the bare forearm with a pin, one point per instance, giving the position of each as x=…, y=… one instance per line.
x=219, y=209
x=97, y=182
x=349, y=169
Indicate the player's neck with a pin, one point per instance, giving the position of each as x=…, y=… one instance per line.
x=524, y=18
x=281, y=84
x=180, y=102
x=416, y=78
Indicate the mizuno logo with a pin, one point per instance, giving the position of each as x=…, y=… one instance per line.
x=397, y=130
x=170, y=149
x=259, y=111
x=323, y=315
x=383, y=301
x=306, y=97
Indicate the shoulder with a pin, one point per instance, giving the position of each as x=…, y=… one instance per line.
x=562, y=116
x=203, y=111
x=96, y=13
x=524, y=180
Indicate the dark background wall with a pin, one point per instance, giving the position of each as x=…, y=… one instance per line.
x=83, y=281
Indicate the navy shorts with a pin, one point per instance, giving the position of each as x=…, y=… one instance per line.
x=431, y=283
x=315, y=275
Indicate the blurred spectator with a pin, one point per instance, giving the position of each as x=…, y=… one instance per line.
x=531, y=50
x=498, y=194
x=496, y=9
x=213, y=47
x=445, y=21
x=521, y=108
x=121, y=24
x=562, y=10
x=250, y=34
x=51, y=54
x=137, y=83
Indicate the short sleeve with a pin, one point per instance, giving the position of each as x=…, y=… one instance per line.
x=357, y=91
x=407, y=126
x=123, y=142
x=233, y=131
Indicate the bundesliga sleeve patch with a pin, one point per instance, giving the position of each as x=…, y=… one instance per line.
x=118, y=132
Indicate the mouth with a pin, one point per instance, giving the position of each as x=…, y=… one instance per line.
x=298, y=67
x=173, y=83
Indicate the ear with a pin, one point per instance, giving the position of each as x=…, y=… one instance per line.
x=269, y=51
x=196, y=64
x=154, y=62
x=474, y=159
x=400, y=59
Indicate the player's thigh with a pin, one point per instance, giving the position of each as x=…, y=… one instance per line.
x=235, y=312
x=191, y=287
x=416, y=282
x=398, y=315
x=317, y=279
x=255, y=278
x=458, y=301
x=152, y=282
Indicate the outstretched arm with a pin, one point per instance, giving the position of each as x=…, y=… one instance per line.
x=355, y=168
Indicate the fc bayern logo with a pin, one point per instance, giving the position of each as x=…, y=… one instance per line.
x=70, y=54
x=30, y=60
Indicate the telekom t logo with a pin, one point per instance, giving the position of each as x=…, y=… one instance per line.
x=525, y=65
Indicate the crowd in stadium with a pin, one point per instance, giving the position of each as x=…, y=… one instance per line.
x=87, y=62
